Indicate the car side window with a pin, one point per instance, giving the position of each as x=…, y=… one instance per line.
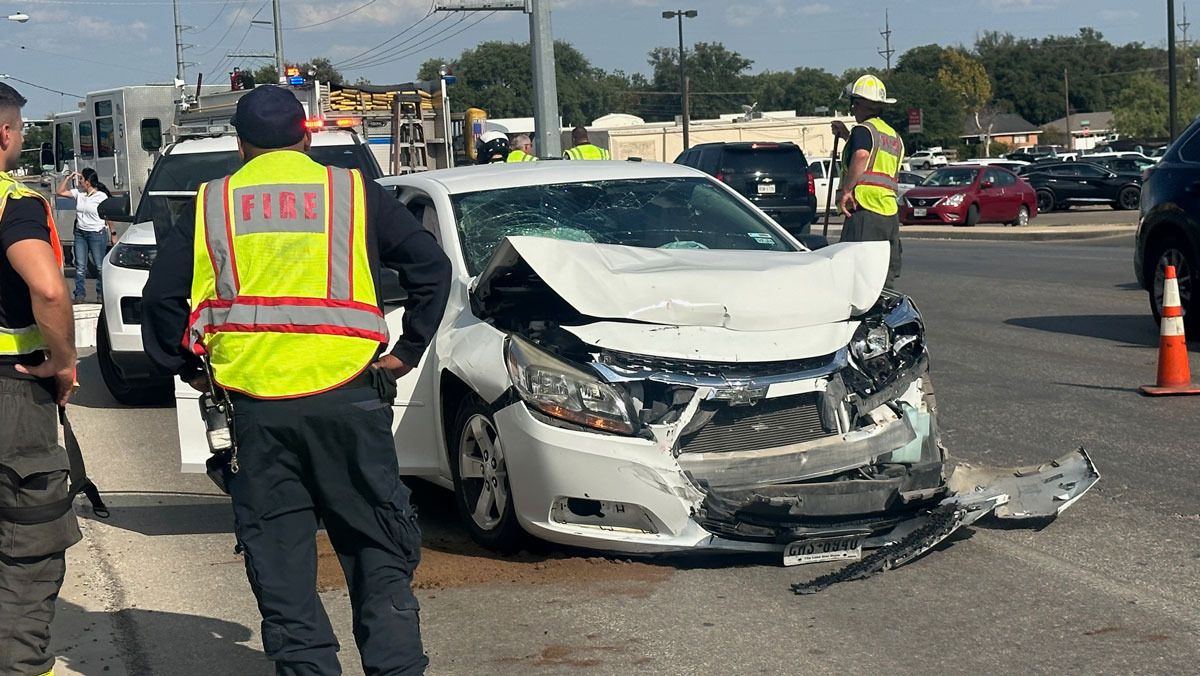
x=687, y=158
x=1190, y=150
x=816, y=169
x=709, y=160
x=1087, y=171
x=991, y=175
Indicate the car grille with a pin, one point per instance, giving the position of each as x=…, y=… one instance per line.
x=923, y=201
x=713, y=369
x=769, y=424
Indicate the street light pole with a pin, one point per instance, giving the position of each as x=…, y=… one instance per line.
x=1172, y=124
x=683, y=88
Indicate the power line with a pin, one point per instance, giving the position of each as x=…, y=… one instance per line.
x=239, y=44
x=227, y=30
x=212, y=23
x=425, y=45
x=366, y=4
x=363, y=55
x=31, y=84
x=76, y=59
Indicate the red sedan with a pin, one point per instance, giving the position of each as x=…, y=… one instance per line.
x=966, y=195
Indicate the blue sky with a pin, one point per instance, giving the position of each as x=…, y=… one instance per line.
x=77, y=46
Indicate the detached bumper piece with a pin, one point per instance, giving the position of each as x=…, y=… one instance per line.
x=1039, y=493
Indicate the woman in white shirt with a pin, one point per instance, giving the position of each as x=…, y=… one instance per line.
x=92, y=233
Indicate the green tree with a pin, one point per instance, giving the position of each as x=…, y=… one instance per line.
x=498, y=77
x=325, y=72
x=914, y=84
x=710, y=67
x=35, y=136
x=802, y=90
x=1141, y=109
x=968, y=81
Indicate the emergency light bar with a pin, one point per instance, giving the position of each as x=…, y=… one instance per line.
x=315, y=123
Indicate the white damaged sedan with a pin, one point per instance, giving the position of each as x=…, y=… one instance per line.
x=635, y=359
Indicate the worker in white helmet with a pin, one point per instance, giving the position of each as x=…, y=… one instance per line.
x=870, y=164
x=492, y=147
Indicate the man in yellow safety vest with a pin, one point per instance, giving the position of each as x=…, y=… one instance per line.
x=870, y=165
x=522, y=150
x=283, y=276
x=582, y=148
x=37, y=365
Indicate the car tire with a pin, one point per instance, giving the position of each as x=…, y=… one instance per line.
x=1022, y=217
x=1045, y=201
x=1173, y=251
x=484, y=502
x=972, y=216
x=131, y=392
x=1129, y=198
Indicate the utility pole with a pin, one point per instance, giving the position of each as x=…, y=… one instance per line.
x=1183, y=27
x=1171, y=83
x=280, y=68
x=683, y=81
x=887, y=50
x=546, y=126
x=1067, y=95
x=178, y=43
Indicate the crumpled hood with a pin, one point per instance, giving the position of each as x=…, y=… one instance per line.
x=139, y=233
x=736, y=290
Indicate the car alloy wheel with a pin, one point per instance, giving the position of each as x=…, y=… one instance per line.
x=481, y=483
x=1022, y=216
x=1045, y=200
x=1130, y=198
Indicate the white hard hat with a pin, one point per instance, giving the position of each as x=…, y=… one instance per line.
x=868, y=87
x=489, y=136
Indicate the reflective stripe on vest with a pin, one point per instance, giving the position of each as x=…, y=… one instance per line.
x=520, y=156
x=587, y=151
x=283, y=299
x=877, y=187
x=19, y=340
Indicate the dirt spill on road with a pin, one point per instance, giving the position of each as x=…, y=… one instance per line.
x=448, y=564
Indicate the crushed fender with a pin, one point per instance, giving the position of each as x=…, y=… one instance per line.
x=1041, y=492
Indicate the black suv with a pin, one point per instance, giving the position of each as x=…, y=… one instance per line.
x=774, y=176
x=1169, y=225
x=1063, y=184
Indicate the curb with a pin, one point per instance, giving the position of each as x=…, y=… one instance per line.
x=1012, y=234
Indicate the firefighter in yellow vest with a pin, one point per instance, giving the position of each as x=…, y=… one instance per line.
x=582, y=148
x=522, y=150
x=281, y=262
x=870, y=165
x=37, y=362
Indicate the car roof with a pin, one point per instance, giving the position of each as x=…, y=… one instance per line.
x=227, y=142
x=746, y=145
x=546, y=172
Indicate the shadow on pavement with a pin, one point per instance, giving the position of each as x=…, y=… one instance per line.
x=155, y=514
x=93, y=393
x=194, y=645
x=1137, y=330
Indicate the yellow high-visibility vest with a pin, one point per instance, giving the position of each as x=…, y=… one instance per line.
x=876, y=188
x=587, y=151
x=520, y=156
x=19, y=340
x=283, y=300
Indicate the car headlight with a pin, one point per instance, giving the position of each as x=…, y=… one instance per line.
x=563, y=391
x=870, y=342
x=956, y=199
x=135, y=256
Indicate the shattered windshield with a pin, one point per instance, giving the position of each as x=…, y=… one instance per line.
x=662, y=213
x=951, y=177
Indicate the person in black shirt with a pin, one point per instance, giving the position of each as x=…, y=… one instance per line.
x=37, y=365
x=325, y=455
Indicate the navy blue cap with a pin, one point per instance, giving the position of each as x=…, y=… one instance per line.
x=269, y=117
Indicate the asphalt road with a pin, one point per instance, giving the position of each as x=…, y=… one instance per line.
x=1036, y=348
x=1100, y=215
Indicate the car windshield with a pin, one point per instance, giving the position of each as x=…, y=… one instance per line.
x=664, y=213
x=951, y=177
x=184, y=172
x=766, y=160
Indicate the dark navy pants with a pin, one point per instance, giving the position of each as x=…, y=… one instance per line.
x=330, y=457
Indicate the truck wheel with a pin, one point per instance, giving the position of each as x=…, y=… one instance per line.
x=481, y=486
x=126, y=391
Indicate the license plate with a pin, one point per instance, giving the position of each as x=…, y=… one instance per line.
x=919, y=212
x=766, y=189
x=822, y=550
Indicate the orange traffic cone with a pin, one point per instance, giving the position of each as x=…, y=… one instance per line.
x=1174, y=377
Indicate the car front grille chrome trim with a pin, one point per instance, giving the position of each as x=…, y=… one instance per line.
x=722, y=387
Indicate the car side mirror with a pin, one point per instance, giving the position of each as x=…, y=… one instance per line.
x=390, y=291
x=115, y=209
x=813, y=241
x=986, y=184
x=46, y=157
